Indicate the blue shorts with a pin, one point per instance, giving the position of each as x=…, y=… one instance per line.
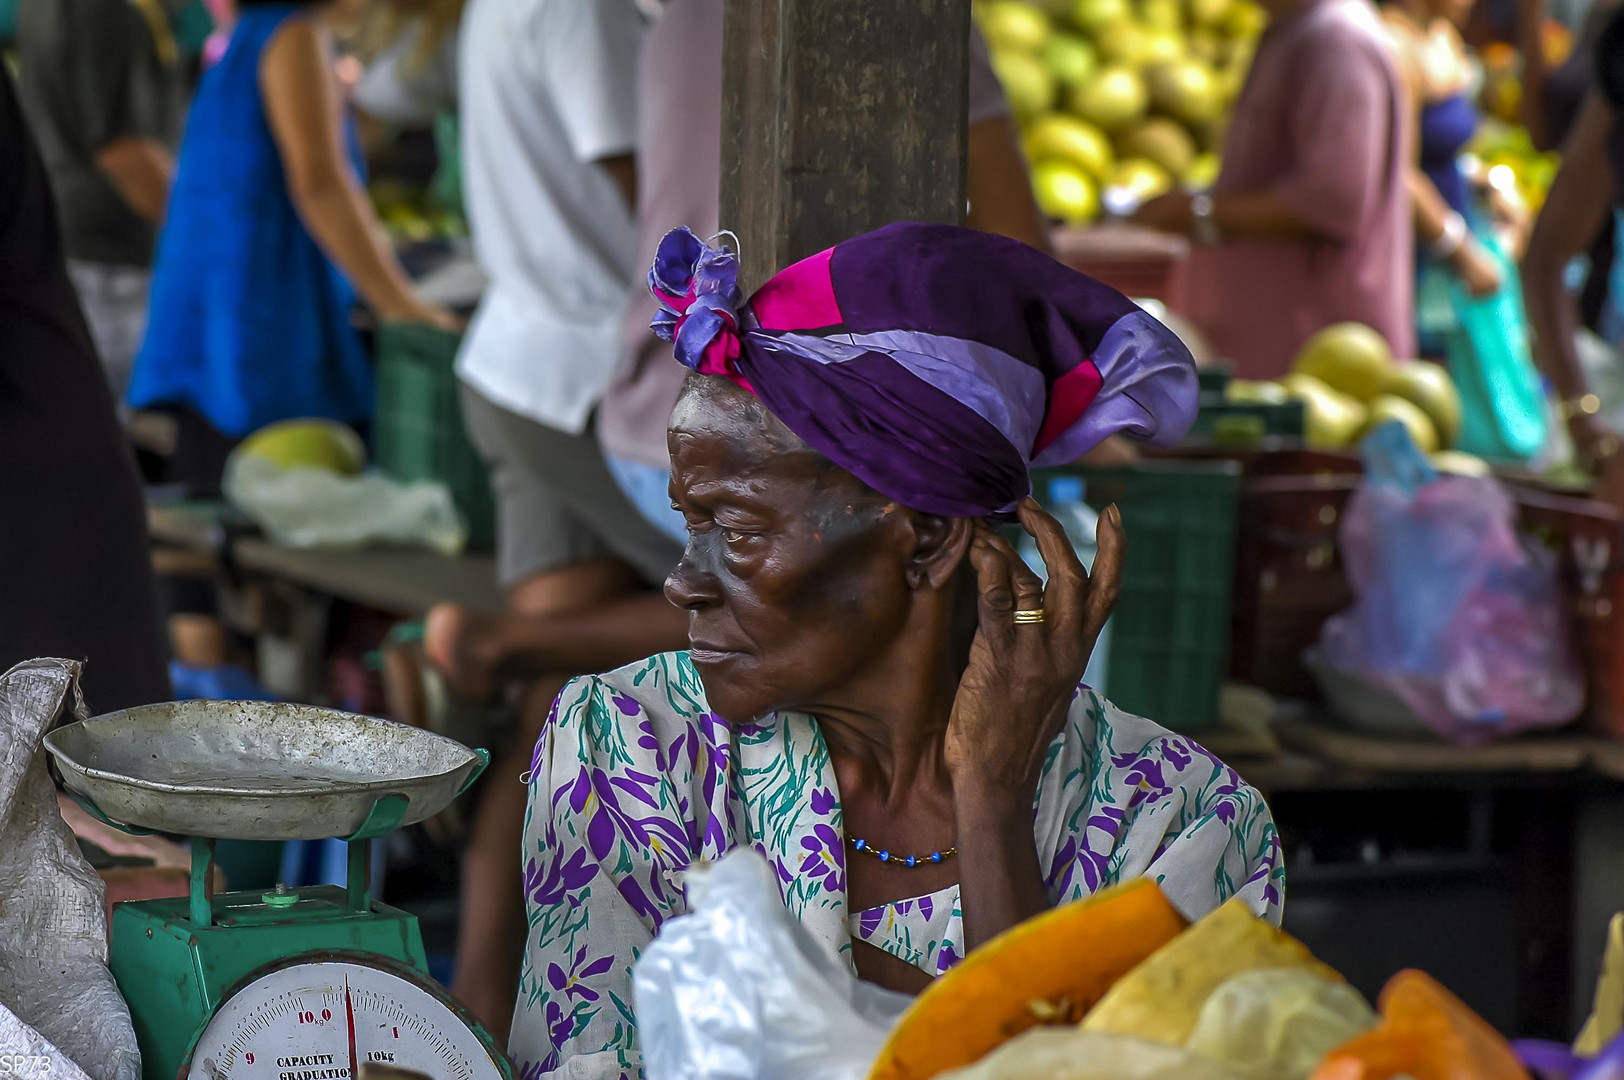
x=649, y=489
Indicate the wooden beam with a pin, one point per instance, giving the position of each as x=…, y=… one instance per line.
x=839, y=116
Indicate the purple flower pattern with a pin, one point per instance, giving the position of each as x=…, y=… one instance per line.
x=635, y=780
x=825, y=860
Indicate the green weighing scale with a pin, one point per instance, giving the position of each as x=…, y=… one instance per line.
x=290, y=984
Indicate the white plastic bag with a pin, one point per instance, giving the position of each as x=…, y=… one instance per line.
x=318, y=508
x=737, y=990
x=58, y=1001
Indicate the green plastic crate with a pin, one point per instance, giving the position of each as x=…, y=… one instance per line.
x=1213, y=380
x=1285, y=420
x=418, y=432
x=1170, y=633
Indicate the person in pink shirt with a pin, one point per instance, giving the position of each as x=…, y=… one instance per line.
x=1309, y=223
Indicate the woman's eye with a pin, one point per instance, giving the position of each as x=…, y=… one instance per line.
x=733, y=536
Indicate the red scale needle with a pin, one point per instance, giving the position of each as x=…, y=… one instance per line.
x=349, y=1018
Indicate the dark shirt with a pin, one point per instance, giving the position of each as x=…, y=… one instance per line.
x=75, y=569
x=91, y=73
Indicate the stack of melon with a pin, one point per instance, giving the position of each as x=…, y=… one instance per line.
x=1129, y=95
x=1349, y=383
x=1120, y=987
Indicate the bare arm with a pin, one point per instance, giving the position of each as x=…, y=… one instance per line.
x=1575, y=209
x=1430, y=211
x=1000, y=188
x=1529, y=15
x=140, y=170
x=1011, y=703
x=1249, y=214
x=304, y=107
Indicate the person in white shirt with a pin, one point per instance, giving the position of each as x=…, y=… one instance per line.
x=547, y=90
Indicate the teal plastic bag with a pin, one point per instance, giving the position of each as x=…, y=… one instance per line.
x=1502, y=404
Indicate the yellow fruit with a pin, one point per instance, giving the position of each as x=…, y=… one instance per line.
x=1389, y=407
x=1070, y=59
x=1428, y=386
x=1114, y=98
x=1202, y=44
x=1187, y=89
x=1160, y=140
x=1065, y=191
x=1457, y=463
x=1012, y=25
x=309, y=444
x=1347, y=356
x=1092, y=16
x=1058, y=136
x=1331, y=420
x=1244, y=392
x=1058, y=963
x=1162, y=47
x=1144, y=178
x=1235, y=54
x=1161, y=999
x=1244, y=19
x=1203, y=171
x=1166, y=16
x=1027, y=84
x=1122, y=43
x=1209, y=12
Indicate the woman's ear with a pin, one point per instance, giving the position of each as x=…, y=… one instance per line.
x=940, y=545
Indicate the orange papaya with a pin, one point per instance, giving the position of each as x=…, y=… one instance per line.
x=1050, y=969
x=1425, y=1033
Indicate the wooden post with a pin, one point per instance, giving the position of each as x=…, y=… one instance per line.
x=839, y=116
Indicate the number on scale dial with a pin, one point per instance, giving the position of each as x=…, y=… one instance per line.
x=323, y=1020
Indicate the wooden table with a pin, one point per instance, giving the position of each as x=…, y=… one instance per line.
x=282, y=597
x=400, y=581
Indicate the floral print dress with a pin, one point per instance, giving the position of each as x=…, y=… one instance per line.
x=635, y=779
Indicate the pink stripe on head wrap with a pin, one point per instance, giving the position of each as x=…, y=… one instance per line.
x=799, y=297
x=1069, y=396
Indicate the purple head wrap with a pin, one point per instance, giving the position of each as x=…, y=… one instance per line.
x=935, y=363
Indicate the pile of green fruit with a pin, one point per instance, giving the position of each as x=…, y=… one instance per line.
x=1349, y=384
x=1119, y=94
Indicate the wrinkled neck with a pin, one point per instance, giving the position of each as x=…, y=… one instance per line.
x=885, y=729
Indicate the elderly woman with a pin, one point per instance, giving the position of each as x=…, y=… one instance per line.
x=879, y=697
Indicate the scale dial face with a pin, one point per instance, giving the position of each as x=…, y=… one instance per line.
x=322, y=1020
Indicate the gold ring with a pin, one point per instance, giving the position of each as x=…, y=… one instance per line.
x=1026, y=618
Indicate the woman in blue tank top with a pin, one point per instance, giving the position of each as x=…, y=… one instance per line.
x=268, y=240
x=1433, y=63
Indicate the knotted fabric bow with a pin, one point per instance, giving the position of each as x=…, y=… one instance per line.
x=697, y=285
x=937, y=364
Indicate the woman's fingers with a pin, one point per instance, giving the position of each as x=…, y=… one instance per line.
x=1068, y=581
x=1105, y=583
x=995, y=599
x=1028, y=586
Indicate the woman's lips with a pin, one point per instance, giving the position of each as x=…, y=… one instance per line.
x=705, y=653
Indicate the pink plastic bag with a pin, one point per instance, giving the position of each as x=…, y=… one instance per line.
x=1455, y=615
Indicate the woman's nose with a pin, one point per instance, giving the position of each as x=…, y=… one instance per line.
x=689, y=586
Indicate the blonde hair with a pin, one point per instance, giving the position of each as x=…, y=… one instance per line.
x=387, y=20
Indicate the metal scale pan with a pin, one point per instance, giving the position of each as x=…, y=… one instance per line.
x=252, y=770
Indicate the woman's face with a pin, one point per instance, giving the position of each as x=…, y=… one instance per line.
x=794, y=575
